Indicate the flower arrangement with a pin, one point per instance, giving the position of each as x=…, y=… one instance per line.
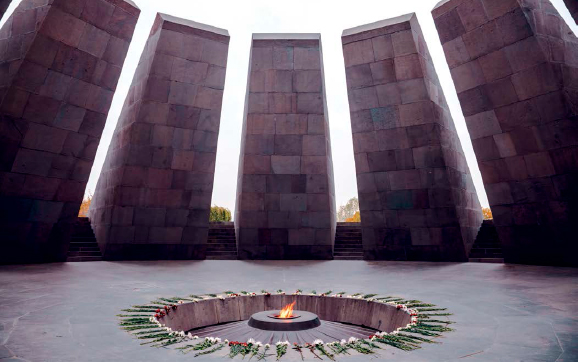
x=145, y=322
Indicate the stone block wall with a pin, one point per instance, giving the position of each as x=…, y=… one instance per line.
x=515, y=67
x=154, y=194
x=416, y=193
x=60, y=61
x=4, y=4
x=573, y=8
x=285, y=192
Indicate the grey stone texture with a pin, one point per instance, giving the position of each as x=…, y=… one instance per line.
x=416, y=194
x=153, y=197
x=515, y=67
x=60, y=61
x=573, y=8
x=501, y=313
x=285, y=192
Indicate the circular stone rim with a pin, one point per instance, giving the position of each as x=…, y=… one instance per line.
x=263, y=321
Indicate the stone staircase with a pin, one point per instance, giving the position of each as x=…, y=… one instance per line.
x=348, y=244
x=487, y=247
x=83, y=245
x=222, y=244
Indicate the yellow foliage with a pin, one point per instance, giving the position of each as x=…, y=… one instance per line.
x=83, y=212
x=487, y=213
x=355, y=218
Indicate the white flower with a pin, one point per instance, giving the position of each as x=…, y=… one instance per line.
x=195, y=337
x=182, y=334
x=251, y=341
x=227, y=341
x=343, y=342
x=317, y=341
x=189, y=336
x=218, y=340
x=259, y=344
x=267, y=345
x=352, y=340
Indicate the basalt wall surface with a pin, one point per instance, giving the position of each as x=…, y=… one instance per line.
x=515, y=67
x=285, y=192
x=416, y=194
x=59, y=66
x=153, y=197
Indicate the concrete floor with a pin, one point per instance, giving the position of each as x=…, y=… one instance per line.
x=66, y=312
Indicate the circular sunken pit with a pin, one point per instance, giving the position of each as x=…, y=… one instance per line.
x=337, y=324
x=270, y=321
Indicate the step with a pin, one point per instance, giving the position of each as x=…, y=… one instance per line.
x=83, y=235
x=337, y=257
x=487, y=248
x=360, y=254
x=487, y=260
x=219, y=241
x=487, y=245
x=86, y=248
x=83, y=244
x=83, y=258
x=79, y=238
x=221, y=257
x=489, y=255
x=84, y=253
x=222, y=248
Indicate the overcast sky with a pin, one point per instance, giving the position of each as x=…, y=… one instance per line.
x=328, y=17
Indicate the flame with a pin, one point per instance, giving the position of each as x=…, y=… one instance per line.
x=287, y=312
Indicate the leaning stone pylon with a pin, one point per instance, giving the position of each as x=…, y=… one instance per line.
x=153, y=197
x=416, y=194
x=4, y=4
x=285, y=194
x=60, y=62
x=515, y=67
x=573, y=8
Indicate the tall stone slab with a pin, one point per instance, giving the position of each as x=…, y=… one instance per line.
x=285, y=192
x=515, y=67
x=153, y=197
x=60, y=61
x=416, y=193
x=4, y=4
x=573, y=8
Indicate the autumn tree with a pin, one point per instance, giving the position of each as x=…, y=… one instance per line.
x=348, y=210
x=219, y=213
x=355, y=218
x=83, y=212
